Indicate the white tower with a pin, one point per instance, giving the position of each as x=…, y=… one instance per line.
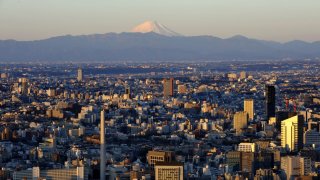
x=80, y=74
x=102, y=147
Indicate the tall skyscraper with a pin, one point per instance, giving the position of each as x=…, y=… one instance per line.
x=292, y=133
x=240, y=121
x=80, y=74
x=270, y=101
x=168, y=87
x=248, y=107
x=102, y=146
x=24, y=85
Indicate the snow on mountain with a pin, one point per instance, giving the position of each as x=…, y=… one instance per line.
x=153, y=26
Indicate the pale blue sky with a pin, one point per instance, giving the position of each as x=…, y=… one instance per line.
x=280, y=20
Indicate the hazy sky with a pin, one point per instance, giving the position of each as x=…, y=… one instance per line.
x=280, y=20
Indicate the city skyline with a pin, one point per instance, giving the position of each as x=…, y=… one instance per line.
x=34, y=19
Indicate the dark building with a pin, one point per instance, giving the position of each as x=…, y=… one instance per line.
x=233, y=160
x=270, y=101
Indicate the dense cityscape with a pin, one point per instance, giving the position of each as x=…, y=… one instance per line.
x=140, y=121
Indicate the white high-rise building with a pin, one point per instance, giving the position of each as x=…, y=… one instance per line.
x=292, y=133
x=80, y=75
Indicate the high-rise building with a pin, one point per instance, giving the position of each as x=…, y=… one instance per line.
x=24, y=85
x=283, y=115
x=270, y=102
x=102, y=147
x=240, y=121
x=295, y=166
x=159, y=156
x=291, y=166
x=80, y=74
x=305, y=166
x=248, y=107
x=243, y=75
x=168, y=171
x=168, y=87
x=292, y=133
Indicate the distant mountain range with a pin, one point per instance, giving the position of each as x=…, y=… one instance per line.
x=152, y=41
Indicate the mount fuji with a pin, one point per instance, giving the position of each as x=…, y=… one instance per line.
x=154, y=26
x=152, y=41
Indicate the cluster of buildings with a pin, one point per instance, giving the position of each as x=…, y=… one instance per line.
x=196, y=122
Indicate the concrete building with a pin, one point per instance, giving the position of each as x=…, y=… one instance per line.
x=80, y=74
x=291, y=166
x=311, y=137
x=168, y=87
x=292, y=133
x=240, y=121
x=159, y=156
x=79, y=173
x=247, y=147
x=248, y=106
x=168, y=171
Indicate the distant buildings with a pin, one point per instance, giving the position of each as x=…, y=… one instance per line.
x=78, y=173
x=168, y=87
x=270, y=102
x=292, y=133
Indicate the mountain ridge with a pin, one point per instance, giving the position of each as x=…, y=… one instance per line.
x=152, y=46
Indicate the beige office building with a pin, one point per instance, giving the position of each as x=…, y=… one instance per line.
x=248, y=106
x=168, y=171
x=240, y=121
x=292, y=133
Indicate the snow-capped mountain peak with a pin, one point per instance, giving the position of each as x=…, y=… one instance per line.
x=153, y=26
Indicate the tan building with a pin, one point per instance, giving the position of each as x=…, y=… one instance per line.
x=243, y=75
x=296, y=166
x=182, y=89
x=168, y=171
x=248, y=106
x=159, y=156
x=168, y=87
x=292, y=133
x=80, y=74
x=240, y=121
x=247, y=147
